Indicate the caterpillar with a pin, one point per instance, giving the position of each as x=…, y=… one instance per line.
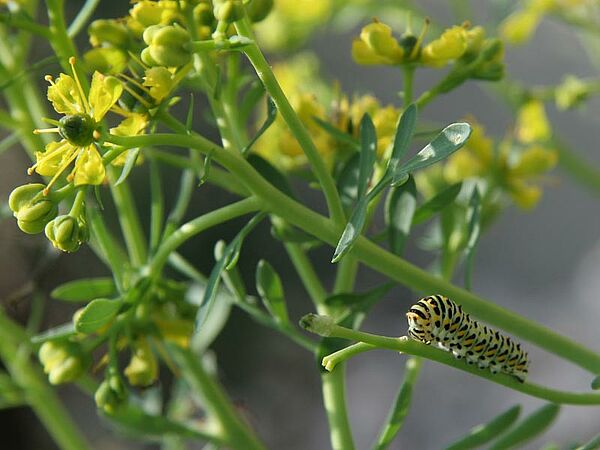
x=437, y=319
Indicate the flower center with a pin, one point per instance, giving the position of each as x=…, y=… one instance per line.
x=78, y=129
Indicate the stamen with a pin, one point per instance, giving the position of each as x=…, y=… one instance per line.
x=61, y=169
x=135, y=82
x=58, y=149
x=50, y=121
x=137, y=96
x=82, y=96
x=415, y=49
x=45, y=130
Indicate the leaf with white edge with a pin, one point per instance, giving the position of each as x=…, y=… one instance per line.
x=130, y=159
x=84, y=289
x=400, y=207
x=447, y=142
x=271, y=116
x=368, y=154
x=96, y=314
x=532, y=426
x=270, y=289
x=404, y=134
x=438, y=202
x=482, y=434
x=352, y=231
x=473, y=231
x=57, y=333
x=347, y=181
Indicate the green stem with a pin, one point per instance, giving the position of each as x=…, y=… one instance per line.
x=577, y=167
x=157, y=205
x=239, y=436
x=199, y=224
x=83, y=16
x=346, y=275
x=324, y=325
x=307, y=274
x=264, y=72
x=408, y=72
x=334, y=397
x=374, y=256
x=39, y=395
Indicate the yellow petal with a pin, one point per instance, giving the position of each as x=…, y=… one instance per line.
x=524, y=195
x=64, y=96
x=532, y=123
x=104, y=93
x=535, y=161
x=49, y=161
x=520, y=26
x=88, y=167
x=362, y=54
x=160, y=80
x=450, y=45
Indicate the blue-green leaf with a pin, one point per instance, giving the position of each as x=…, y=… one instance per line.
x=594, y=444
x=404, y=134
x=270, y=289
x=352, y=230
x=347, y=181
x=347, y=304
x=130, y=159
x=84, y=289
x=368, y=153
x=596, y=382
x=57, y=333
x=271, y=173
x=447, y=142
x=473, y=231
x=400, y=207
x=96, y=314
x=337, y=134
x=271, y=115
x=532, y=426
x=482, y=434
x=436, y=203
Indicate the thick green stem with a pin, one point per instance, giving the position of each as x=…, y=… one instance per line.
x=264, y=72
x=334, y=398
x=39, y=395
x=412, y=347
x=234, y=431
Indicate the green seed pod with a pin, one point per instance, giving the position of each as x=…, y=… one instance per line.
x=108, y=31
x=259, y=9
x=78, y=129
x=66, y=233
x=63, y=361
x=228, y=11
x=31, y=208
x=167, y=46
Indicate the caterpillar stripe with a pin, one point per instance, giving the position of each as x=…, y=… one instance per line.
x=438, y=320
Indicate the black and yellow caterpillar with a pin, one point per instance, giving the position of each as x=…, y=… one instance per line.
x=437, y=319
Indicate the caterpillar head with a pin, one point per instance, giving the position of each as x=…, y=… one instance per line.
x=419, y=324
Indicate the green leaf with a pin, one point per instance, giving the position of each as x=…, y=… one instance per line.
x=205, y=169
x=400, y=207
x=130, y=160
x=189, y=119
x=401, y=405
x=596, y=382
x=57, y=333
x=271, y=115
x=347, y=181
x=436, y=203
x=337, y=134
x=352, y=230
x=482, y=434
x=11, y=394
x=447, y=142
x=286, y=232
x=270, y=173
x=473, y=231
x=270, y=289
x=84, y=289
x=404, y=134
x=348, y=304
x=231, y=275
x=530, y=427
x=368, y=154
x=230, y=255
x=594, y=444
x=96, y=314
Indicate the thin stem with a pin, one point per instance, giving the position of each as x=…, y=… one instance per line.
x=374, y=256
x=215, y=400
x=412, y=347
x=307, y=274
x=264, y=72
x=83, y=16
x=332, y=360
x=346, y=275
x=157, y=205
x=408, y=72
x=577, y=167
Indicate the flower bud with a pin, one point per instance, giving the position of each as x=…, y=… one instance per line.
x=535, y=161
x=571, y=92
x=66, y=233
x=62, y=361
x=107, y=60
x=377, y=46
x=203, y=14
x=452, y=44
x=259, y=9
x=142, y=369
x=110, y=394
x=167, y=46
x=31, y=208
x=532, y=123
x=520, y=26
x=108, y=31
x=228, y=11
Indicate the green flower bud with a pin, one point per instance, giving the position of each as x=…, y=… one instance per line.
x=108, y=31
x=571, y=92
x=66, y=233
x=143, y=366
x=492, y=66
x=167, y=46
x=78, y=129
x=63, y=361
x=259, y=9
x=203, y=14
x=107, y=60
x=31, y=208
x=228, y=11
x=111, y=394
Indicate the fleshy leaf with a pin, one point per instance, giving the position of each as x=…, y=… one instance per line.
x=270, y=289
x=96, y=314
x=399, y=211
x=530, y=427
x=84, y=289
x=436, y=203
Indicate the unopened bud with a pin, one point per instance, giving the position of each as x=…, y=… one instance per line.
x=259, y=9
x=31, y=208
x=110, y=394
x=108, y=31
x=66, y=233
x=62, y=361
x=143, y=366
x=167, y=46
x=228, y=11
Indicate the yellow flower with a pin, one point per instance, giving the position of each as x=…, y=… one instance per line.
x=474, y=159
x=376, y=45
x=520, y=26
x=161, y=82
x=133, y=125
x=452, y=44
x=79, y=128
x=532, y=123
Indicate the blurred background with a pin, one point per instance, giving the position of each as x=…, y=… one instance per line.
x=543, y=264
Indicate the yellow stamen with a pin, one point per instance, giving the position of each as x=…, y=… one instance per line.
x=415, y=49
x=50, y=121
x=58, y=149
x=135, y=82
x=61, y=169
x=82, y=96
x=137, y=96
x=136, y=58
x=50, y=80
x=45, y=130
x=118, y=110
x=96, y=135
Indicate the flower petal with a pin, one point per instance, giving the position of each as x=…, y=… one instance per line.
x=88, y=167
x=49, y=161
x=104, y=93
x=64, y=96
